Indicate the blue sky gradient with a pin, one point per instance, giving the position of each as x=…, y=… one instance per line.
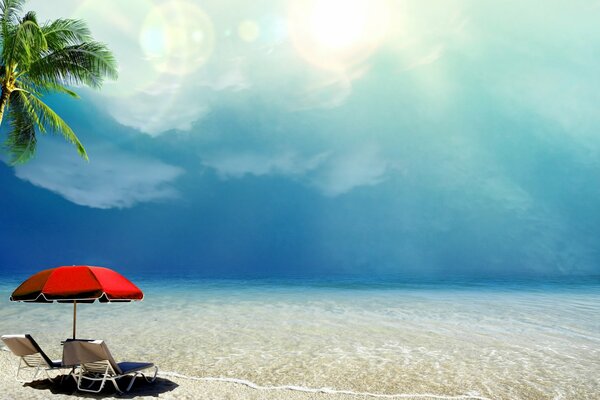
x=461, y=138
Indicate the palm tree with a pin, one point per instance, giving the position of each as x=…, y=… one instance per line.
x=38, y=59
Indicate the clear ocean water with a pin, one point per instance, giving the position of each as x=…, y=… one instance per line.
x=501, y=340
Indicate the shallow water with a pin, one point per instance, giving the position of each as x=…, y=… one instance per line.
x=497, y=340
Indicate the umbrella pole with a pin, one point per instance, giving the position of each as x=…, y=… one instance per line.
x=74, y=317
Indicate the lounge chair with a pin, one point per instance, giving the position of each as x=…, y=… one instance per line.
x=31, y=356
x=96, y=364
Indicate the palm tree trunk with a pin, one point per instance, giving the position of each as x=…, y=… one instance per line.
x=3, y=101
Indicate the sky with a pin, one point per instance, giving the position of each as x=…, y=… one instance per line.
x=322, y=138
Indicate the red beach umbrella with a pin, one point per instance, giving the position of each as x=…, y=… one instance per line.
x=77, y=284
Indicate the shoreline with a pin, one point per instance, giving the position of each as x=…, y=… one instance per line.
x=328, y=391
x=172, y=385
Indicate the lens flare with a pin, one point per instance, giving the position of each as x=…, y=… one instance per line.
x=336, y=34
x=177, y=37
x=248, y=31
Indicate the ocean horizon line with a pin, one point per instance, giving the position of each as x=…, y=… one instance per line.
x=350, y=281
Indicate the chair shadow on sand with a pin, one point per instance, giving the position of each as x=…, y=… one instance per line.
x=65, y=385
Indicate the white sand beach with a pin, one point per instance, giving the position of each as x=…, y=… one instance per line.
x=168, y=386
x=254, y=341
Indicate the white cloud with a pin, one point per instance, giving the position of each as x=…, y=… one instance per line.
x=175, y=102
x=160, y=111
x=237, y=165
x=331, y=174
x=232, y=78
x=112, y=179
x=329, y=92
x=345, y=172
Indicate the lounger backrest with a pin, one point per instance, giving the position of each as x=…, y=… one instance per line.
x=78, y=352
x=24, y=345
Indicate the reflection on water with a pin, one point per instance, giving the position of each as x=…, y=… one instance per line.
x=527, y=340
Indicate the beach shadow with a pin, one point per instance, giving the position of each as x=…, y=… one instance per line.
x=65, y=385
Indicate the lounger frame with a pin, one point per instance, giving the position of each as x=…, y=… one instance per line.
x=35, y=360
x=102, y=371
x=96, y=365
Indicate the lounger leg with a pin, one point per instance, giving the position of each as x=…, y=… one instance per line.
x=153, y=377
x=131, y=382
x=74, y=376
x=88, y=389
x=17, y=377
x=114, y=382
x=62, y=377
x=37, y=370
x=48, y=375
x=92, y=384
x=21, y=367
x=92, y=380
x=79, y=377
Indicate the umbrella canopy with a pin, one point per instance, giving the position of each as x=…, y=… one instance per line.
x=77, y=284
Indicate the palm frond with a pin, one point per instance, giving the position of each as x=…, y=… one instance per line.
x=25, y=43
x=28, y=86
x=83, y=64
x=64, y=32
x=9, y=18
x=50, y=87
x=21, y=99
x=21, y=141
x=30, y=16
x=23, y=82
x=9, y=10
x=55, y=124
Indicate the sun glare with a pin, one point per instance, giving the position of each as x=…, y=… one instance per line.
x=335, y=34
x=177, y=37
x=337, y=25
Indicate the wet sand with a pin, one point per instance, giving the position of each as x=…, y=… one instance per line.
x=170, y=386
